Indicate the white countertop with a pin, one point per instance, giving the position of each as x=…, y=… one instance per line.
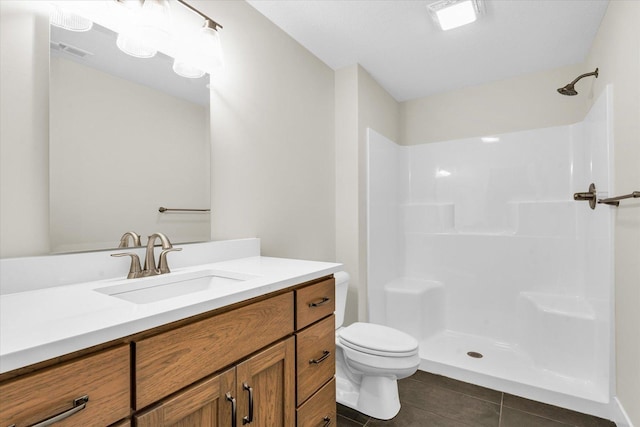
x=38, y=325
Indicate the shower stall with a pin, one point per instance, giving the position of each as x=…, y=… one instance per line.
x=477, y=248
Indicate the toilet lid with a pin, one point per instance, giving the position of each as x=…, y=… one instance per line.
x=378, y=340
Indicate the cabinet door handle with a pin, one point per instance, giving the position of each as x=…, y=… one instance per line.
x=78, y=405
x=325, y=355
x=322, y=301
x=234, y=409
x=248, y=419
x=327, y=421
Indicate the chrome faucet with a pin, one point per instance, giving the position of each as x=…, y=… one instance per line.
x=135, y=239
x=150, y=269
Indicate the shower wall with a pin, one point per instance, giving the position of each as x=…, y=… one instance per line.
x=479, y=241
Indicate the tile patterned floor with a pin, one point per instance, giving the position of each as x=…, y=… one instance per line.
x=430, y=400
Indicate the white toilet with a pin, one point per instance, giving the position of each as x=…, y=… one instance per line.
x=369, y=360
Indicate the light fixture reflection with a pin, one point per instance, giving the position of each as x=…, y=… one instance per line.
x=187, y=70
x=68, y=20
x=131, y=45
x=146, y=27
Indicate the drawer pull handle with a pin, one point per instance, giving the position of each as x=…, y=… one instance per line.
x=234, y=409
x=78, y=405
x=325, y=355
x=248, y=419
x=323, y=301
x=327, y=421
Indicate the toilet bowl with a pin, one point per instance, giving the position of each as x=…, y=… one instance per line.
x=370, y=359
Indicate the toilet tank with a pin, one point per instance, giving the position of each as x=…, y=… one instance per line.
x=342, y=286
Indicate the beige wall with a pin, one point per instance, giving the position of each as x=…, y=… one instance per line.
x=525, y=102
x=616, y=51
x=24, y=130
x=272, y=133
x=360, y=103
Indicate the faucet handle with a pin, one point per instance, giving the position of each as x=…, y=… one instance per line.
x=135, y=270
x=163, y=266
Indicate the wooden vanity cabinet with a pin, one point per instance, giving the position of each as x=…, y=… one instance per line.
x=273, y=359
x=104, y=378
x=316, y=354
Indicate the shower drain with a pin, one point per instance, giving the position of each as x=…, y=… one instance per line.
x=474, y=354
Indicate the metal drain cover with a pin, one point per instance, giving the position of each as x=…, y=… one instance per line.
x=474, y=354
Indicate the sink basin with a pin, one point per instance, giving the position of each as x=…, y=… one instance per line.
x=152, y=289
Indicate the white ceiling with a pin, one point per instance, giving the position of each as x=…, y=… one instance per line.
x=399, y=45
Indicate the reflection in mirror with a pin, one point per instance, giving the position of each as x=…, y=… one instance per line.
x=127, y=135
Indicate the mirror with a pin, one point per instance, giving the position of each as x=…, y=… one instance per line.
x=127, y=136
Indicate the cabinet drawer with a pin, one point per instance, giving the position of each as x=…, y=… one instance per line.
x=315, y=302
x=103, y=377
x=316, y=359
x=320, y=410
x=167, y=362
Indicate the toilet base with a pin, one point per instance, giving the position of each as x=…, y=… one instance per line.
x=375, y=396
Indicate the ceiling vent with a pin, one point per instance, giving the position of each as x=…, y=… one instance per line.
x=71, y=50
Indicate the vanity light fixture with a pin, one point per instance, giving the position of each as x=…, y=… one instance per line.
x=68, y=20
x=202, y=52
x=148, y=24
x=145, y=27
x=449, y=14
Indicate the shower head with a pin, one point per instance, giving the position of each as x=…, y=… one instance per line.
x=570, y=90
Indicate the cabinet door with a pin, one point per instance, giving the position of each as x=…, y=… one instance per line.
x=266, y=387
x=204, y=404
